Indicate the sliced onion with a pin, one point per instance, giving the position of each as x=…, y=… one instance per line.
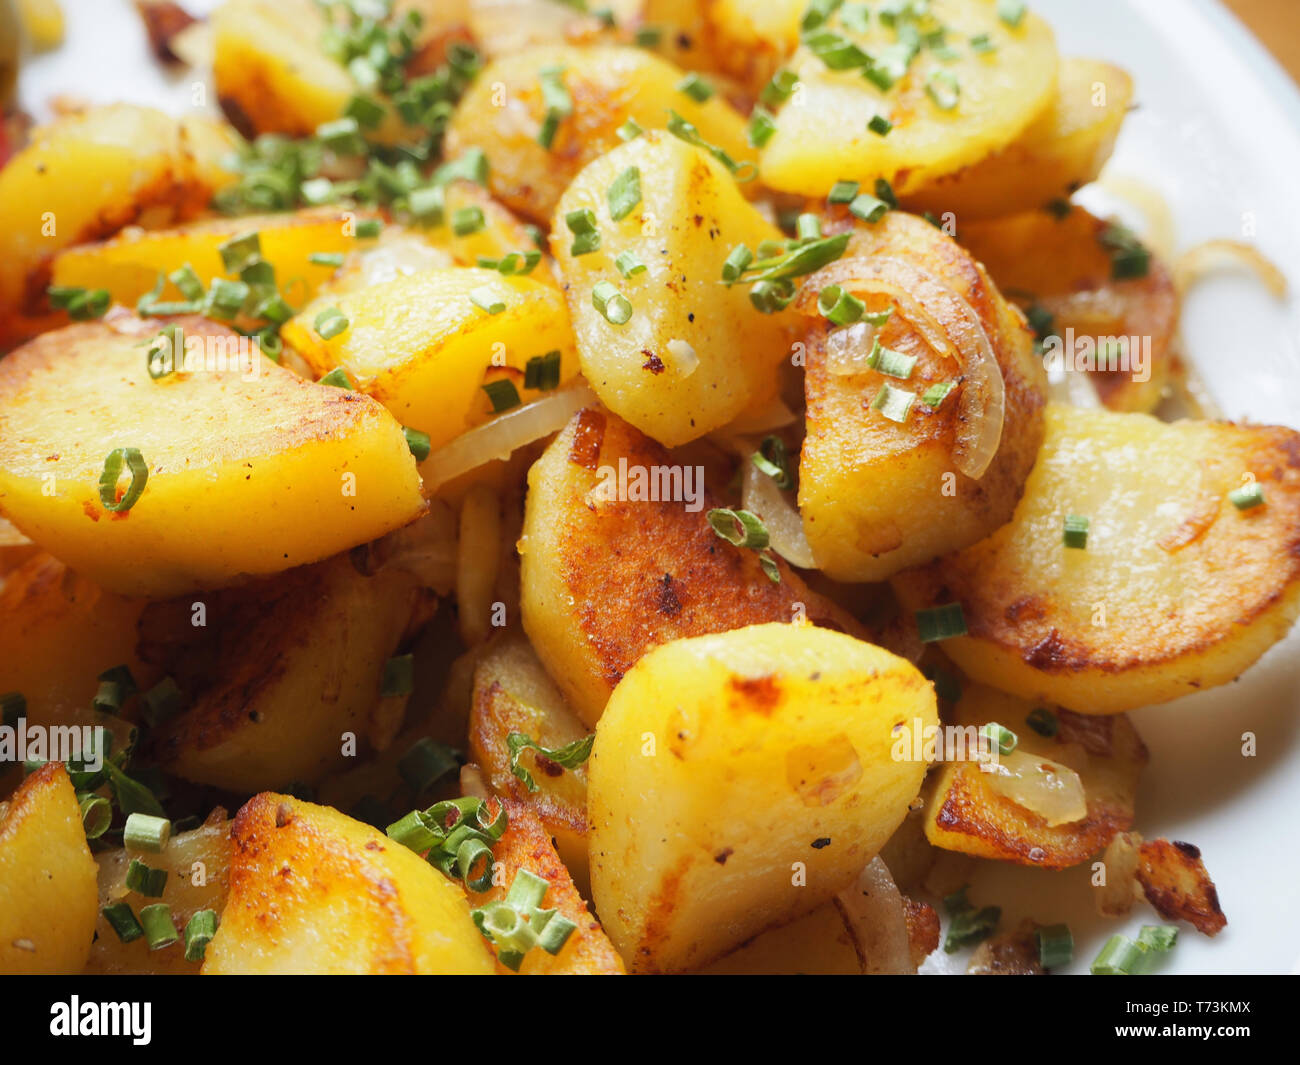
x=682, y=357
x=503, y=435
x=1213, y=255
x=1049, y=789
x=848, y=349
x=761, y=496
x=397, y=255
x=1121, y=859
x=949, y=324
x=873, y=908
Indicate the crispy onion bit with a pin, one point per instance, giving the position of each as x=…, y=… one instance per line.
x=1214, y=255
x=949, y=325
x=874, y=910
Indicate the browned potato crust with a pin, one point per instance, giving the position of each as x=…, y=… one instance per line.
x=1175, y=882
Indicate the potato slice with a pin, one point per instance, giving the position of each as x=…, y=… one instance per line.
x=527, y=844
x=607, y=85
x=750, y=39
x=421, y=346
x=316, y=469
x=965, y=814
x=47, y=878
x=129, y=264
x=822, y=135
x=1059, y=263
x=1063, y=149
x=1177, y=590
x=149, y=169
x=513, y=693
x=281, y=671
x=315, y=892
x=198, y=877
x=605, y=580
x=740, y=780
x=500, y=234
x=694, y=354
x=877, y=495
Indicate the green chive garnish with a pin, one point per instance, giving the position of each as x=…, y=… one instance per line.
x=1117, y=957
x=337, y=378
x=940, y=622
x=542, y=372
x=628, y=264
x=467, y=220
x=893, y=403
x=623, y=194
x=116, y=686
x=762, y=127
x=326, y=258
x=159, y=929
x=121, y=919
x=145, y=880
x=934, y=396
x=502, y=394
x=96, y=814
x=417, y=442
x=739, y=527
x=399, y=676
x=146, y=833
x=369, y=228
x=695, y=87
x=839, y=306
x=570, y=756
x=879, y=125
x=425, y=764
x=1043, y=721
x=1248, y=496
x=199, y=930
x=239, y=252
x=613, y=306
x=999, y=737
x=1055, y=946
x=890, y=362
x=1012, y=12
x=1076, y=531
x=486, y=300
x=81, y=304
x=139, y=471
x=330, y=323
x=629, y=130
x=771, y=459
x=558, y=102
x=582, y=224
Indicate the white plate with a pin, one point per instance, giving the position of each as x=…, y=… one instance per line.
x=1216, y=134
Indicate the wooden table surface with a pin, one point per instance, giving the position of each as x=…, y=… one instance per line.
x=1277, y=24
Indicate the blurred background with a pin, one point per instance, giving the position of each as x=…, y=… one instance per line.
x=1277, y=24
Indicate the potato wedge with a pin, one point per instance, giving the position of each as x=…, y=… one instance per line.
x=965, y=814
x=47, y=878
x=946, y=115
x=128, y=265
x=1177, y=590
x=608, y=85
x=198, y=877
x=1060, y=264
x=313, y=891
x=280, y=673
x=149, y=169
x=740, y=780
x=605, y=580
x=421, y=345
x=878, y=495
x=1061, y=150
x=694, y=354
x=513, y=693
x=526, y=844
x=1174, y=880
x=316, y=469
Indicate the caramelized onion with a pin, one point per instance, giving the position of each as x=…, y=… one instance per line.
x=1212, y=255
x=1049, y=789
x=761, y=496
x=949, y=325
x=873, y=908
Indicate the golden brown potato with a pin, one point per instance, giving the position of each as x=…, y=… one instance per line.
x=279, y=674
x=527, y=844
x=607, y=86
x=198, y=874
x=605, y=580
x=740, y=780
x=247, y=447
x=968, y=815
x=1175, y=882
x=1177, y=590
x=513, y=693
x=313, y=891
x=878, y=495
x=47, y=878
x=1061, y=150
x=750, y=39
x=1061, y=265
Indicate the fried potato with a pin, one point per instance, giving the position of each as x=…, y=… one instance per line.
x=279, y=674
x=421, y=346
x=504, y=27
x=315, y=892
x=149, y=169
x=1061, y=150
x=965, y=814
x=750, y=39
x=47, y=878
x=500, y=234
x=513, y=693
x=526, y=844
x=822, y=136
x=198, y=873
x=820, y=943
x=1175, y=882
x=694, y=354
x=605, y=580
x=607, y=85
x=315, y=470
x=128, y=265
x=1177, y=590
x=1060, y=264
x=740, y=780
x=877, y=496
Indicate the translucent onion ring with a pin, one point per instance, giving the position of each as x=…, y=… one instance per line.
x=760, y=495
x=949, y=324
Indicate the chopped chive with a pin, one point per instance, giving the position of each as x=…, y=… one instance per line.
x=542, y=372
x=121, y=919
x=81, y=304
x=893, y=403
x=629, y=130
x=835, y=50
x=417, y=442
x=934, y=396
x=886, y=192
x=368, y=113
x=146, y=833
x=942, y=87
x=982, y=44
x=1000, y=737
x=1055, y=946
x=139, y=471
x=428, y=204
x=159, y=929
x=343, y=136
x=558, y=103
x=582, y=224
x=1117, y=957
x=369, y=228
x=769, y=297
x=570, y=755
x=686, y=131
x=879, y=125
x=808, y=227
x=737, y=262
x=624, y=193
x=425, y=764
x=199, y=930
x=330, y=323
x=769, y=567
x=338, y=378
x=779, y=89
x=801, y=260
x=326, y=258
x=696, y=87
x=839, y=306
x=116, y=686
x=187, y=282
x=96, y=814
x=771, y=459
x=1158, y=937
x=239, y=252
x=162, y=702
x=1040, y=320
x=969, y=926
x=843, y=192
x=467, y=220
x=399, y=676
x=868, y=207
x=502, y=394
x=628, y=264
x=1248, y=496
x=648, y=36
x=613, y=306
x=317, y=191
x=145, y=880
x=762, y=127
x=1129, y=260
x=1043, y=721
x=1076, y=531
x=486, y=300
x=940, y=622
x=1012, y=12
x=739, y=527
x=890, y=362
